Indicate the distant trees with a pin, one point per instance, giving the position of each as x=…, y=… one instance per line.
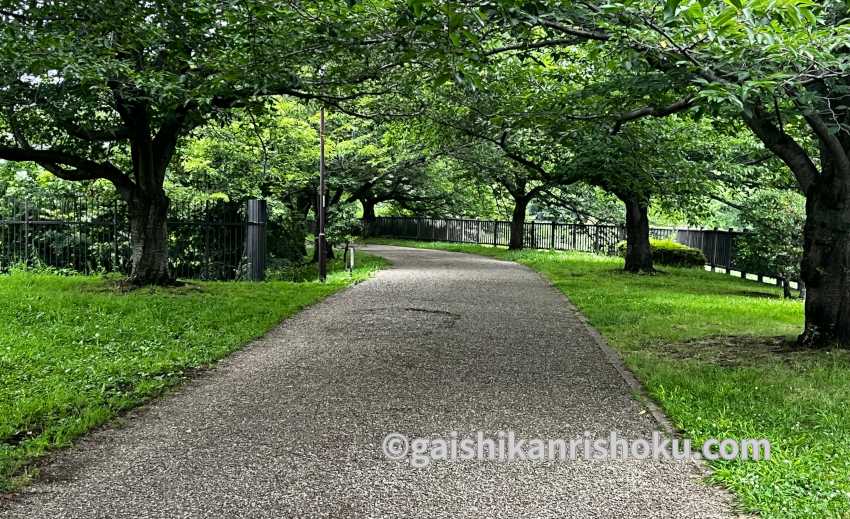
x=523, y=135
x=271, y=152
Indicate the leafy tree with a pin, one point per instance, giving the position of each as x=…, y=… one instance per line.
x=373, y=163
x=88, y=93
x=780, y=67
x=270, y=153
x=510, y=109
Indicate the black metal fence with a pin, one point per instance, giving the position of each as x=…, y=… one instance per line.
x=717, y=245
x=206, y=241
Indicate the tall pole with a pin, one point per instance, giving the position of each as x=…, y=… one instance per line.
x=321, y=199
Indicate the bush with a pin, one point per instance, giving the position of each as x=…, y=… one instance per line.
x=286, y=239
x=671, y=253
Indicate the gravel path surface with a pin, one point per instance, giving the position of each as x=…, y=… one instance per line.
x=292, y=426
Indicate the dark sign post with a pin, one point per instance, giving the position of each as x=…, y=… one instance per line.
x=321, y=200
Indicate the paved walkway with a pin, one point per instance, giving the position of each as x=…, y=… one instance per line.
x=292, y=426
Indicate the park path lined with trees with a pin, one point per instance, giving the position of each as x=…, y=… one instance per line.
x=607, y=95
x=442, y=342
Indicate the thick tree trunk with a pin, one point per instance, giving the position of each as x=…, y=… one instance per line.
x=825, y=268
x=368, y=216
x=368, y=210
x=638, y=250
x=518, y=224
x=149, y=236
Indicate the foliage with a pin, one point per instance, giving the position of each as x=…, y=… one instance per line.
x=517, y=140
x=669, y=252
x=24, y=180
x=343, y=225
x=578, y=203
x=145, y=78
x=90, y=95
x=774, y=241
x=286, y=238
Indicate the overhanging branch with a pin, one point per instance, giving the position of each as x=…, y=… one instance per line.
x=653, y=111
x=783, y=145
x=68, y=166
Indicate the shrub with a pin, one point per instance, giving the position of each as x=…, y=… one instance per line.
x=671, y=253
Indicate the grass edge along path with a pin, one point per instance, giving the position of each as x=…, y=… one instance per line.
x=713, y=351
x=75, y=353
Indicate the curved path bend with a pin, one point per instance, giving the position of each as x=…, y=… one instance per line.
x=292, y=425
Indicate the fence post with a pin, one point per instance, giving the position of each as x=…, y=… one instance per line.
x=596, y=245
x=26, y=233
x=714, y=251
x=729, y=252
x=255, y=239
x=552, y=236
x=115, y=236
x=206, y=224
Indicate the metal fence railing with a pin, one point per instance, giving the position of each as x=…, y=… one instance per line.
x=90, y=235
x=718, y=245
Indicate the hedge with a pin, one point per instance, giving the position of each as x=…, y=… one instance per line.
x=671, y=253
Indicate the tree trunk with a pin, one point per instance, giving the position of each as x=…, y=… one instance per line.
x=368, y=216
x=368, y=210
x=518, y=224
x=786, y=288
x=638, y=250
x=825, y=268
x=149, y=236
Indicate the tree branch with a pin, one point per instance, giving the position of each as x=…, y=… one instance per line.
x=112, y=134
x=585, y=34
x=57, y=163
x=652, y=111
x=829, y=140
x=784, y=146
x=530, y=46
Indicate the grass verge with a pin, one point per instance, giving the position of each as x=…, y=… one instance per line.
x=75, y=352
x=714, y=351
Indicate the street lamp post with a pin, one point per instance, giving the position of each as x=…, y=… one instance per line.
x=321, y=205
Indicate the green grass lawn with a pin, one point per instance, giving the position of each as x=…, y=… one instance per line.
x=713, y=351
x=75, y=352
